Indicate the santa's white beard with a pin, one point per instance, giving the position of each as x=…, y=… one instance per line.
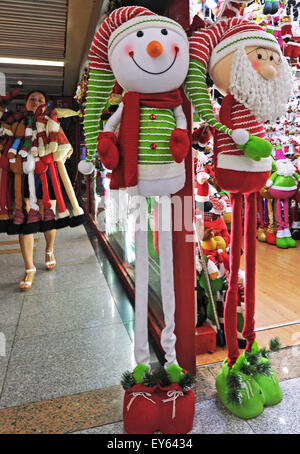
x=266, y=99
x=285, y=167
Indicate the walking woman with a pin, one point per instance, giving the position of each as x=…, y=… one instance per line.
x=33, y=100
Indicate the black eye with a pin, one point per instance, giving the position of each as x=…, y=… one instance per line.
x=164, y=31
x=259, y=56
x=140, y=34
x=271, y=58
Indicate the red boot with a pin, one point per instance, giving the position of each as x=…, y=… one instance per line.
x=177, y=408
x=141, y=409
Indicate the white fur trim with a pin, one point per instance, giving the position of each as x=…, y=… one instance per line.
x=269, y=183
x=12, y=150
x=28, y=132
x=280, y=234
x=240, y=136
x=202, y=175
x=65, y=214
x=201, y=198
x=160, y=171
x=212, y=267
x=287, y=233
x=243, y=163
x=23, y=153
x=86, y=168
x=52, y=126
x=78, y=211
x=8, y=132
x=232, y=43
x=285, y=188
x=139, y=23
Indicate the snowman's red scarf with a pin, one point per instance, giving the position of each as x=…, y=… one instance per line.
x=126, y=174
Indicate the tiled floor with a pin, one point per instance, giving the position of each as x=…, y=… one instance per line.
x=69, y=339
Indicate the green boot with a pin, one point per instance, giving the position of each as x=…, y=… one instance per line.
x=290, y=241
x=282, y=243
x=265, y=376
x=239, y=392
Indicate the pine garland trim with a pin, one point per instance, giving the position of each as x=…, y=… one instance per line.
x=234, y=394
x=274, y=344
x=158, y=377
x=127, y=380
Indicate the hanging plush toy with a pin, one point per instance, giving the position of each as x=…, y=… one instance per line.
x=214, y=218
x=202, y=186
x=148, y=56
x=282, y=186
x=290, y=32
x=6, y=141
x=246, y=64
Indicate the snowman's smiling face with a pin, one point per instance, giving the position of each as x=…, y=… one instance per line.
x=151, y=60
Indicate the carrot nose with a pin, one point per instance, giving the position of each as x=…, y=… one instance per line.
x=154, y=49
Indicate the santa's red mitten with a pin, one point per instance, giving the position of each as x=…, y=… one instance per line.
x=179, y=144
x=107, y=149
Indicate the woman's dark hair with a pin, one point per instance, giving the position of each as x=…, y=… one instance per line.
x=36, y=91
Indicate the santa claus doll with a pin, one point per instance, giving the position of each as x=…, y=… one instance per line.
x=247, y=66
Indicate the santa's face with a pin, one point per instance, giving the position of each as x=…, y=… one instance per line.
x=151, y=60
x=258, y=78
x=261, y=80
x=285, y=167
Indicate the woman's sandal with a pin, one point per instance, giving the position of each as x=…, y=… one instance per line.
x=50, y=261
x=28, y=280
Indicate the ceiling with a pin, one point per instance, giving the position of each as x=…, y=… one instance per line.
x=56, y=30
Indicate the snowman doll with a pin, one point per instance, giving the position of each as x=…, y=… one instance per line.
x=148, y=55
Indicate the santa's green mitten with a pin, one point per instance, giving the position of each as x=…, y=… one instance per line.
x=254, y=147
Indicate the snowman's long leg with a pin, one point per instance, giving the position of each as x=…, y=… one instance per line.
x=141, y=345
x=168, y=338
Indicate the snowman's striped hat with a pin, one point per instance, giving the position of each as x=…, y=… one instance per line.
x=101, y=78
x=112, y=30
x=115, y=27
